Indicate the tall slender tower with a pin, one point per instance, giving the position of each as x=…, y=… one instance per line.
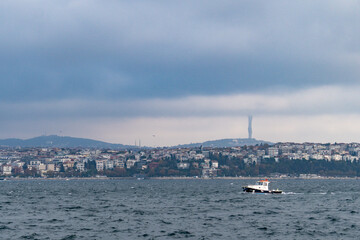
x=250, y=127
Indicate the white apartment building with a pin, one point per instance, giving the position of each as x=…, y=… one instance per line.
x=6, y=169
x=80, y=166
x=100, y=165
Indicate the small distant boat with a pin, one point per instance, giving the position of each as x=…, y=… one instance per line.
x=261, y=186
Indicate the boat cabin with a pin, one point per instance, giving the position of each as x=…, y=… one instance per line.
x=264, y=183
x=261, y=185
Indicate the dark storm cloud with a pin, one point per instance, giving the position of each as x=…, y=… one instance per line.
x=111, y=50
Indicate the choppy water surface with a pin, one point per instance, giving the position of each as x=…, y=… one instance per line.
x=170, y=209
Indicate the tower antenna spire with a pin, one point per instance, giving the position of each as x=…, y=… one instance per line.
x=250, y=127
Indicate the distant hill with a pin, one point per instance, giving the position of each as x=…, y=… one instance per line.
x=61, y=142
x=230, y=142
x=73, y=142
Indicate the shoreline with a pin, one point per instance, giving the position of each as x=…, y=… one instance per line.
x=180, y=178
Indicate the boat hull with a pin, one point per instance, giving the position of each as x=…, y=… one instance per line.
x=253, y=190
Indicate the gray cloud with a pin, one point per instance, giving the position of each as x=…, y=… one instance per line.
x=327, y=100
x=185, y=70
x=117, y=50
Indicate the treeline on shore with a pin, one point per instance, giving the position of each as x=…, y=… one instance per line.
x=228, y=167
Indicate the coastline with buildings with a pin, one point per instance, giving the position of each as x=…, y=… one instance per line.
x=281, y=160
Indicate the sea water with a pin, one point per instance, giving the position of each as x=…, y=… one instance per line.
x=178, y=209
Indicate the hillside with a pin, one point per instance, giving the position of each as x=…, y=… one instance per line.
x=230, y=142
x=61, y=142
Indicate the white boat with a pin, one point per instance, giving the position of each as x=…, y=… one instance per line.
x=261, y=186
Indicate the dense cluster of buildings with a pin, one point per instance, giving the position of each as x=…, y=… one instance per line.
x=206, y=162
x=307, y=151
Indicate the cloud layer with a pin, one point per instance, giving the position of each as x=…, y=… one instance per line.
x=313, y=101
x=118, y=70
x=121, y=49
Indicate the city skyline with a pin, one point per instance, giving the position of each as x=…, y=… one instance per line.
x=176, y=72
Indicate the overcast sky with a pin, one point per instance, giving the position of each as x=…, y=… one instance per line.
x=171, y=72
